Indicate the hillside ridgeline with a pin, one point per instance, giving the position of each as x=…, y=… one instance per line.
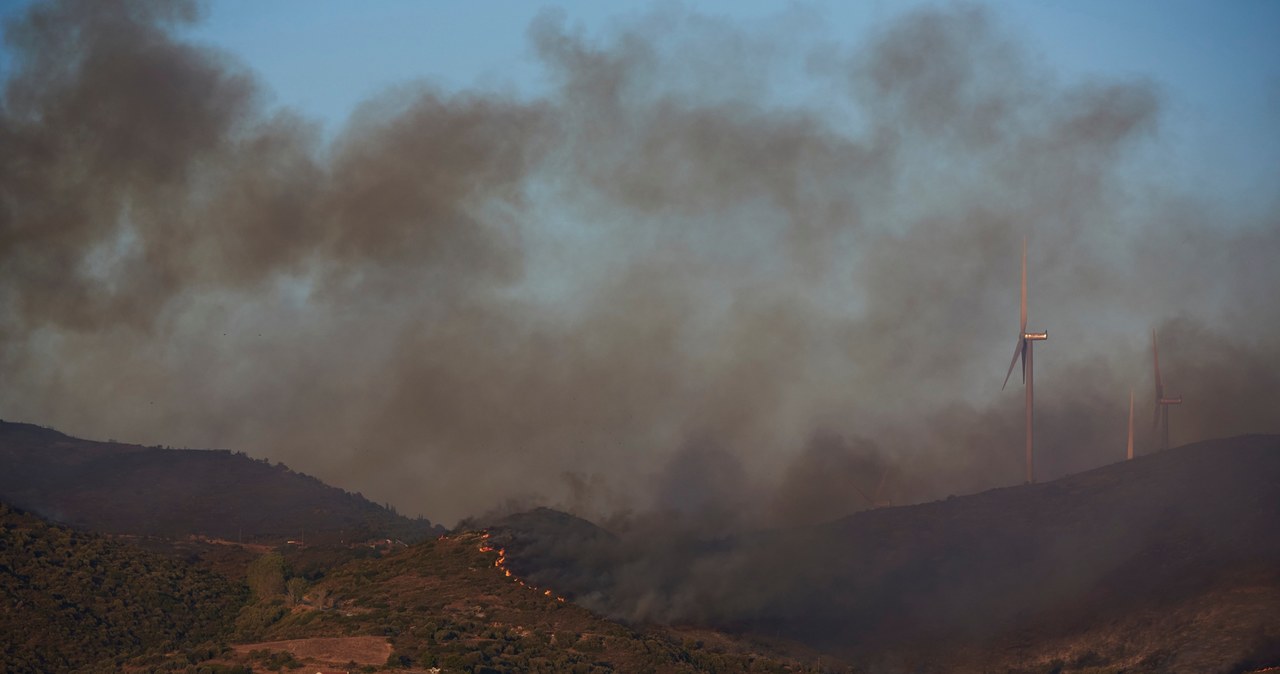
x=118, y=488
x=1169, y=562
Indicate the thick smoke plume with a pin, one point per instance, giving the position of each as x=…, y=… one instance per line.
x=678, y=280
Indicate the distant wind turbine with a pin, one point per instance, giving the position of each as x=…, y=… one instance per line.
x=1130, y=453
x=875, y=501
x=880, y=501
x=1160, y=422
x=1023, y=350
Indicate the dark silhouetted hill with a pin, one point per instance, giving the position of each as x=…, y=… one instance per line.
x=129, y=489
x=1169, y=562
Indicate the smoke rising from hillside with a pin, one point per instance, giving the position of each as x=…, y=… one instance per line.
x=662, y=284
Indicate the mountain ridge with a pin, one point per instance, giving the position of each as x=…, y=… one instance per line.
x=130, y=489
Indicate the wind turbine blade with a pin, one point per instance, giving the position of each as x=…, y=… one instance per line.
x=1023, y=324
x=880, y=487
x=863, y=494
x=1025, y=345
x=1017, y=350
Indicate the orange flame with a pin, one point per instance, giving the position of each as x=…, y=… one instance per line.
x=501, y=563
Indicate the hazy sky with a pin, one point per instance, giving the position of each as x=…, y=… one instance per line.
x=628, y=255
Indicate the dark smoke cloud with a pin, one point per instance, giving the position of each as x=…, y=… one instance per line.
x=665, y=279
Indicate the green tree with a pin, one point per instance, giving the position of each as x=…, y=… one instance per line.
x=295, y=589
x=266, y=576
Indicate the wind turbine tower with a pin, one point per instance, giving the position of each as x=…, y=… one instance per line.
x=1160, y=423
x=1023, y=351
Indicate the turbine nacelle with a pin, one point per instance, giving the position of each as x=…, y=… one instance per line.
x=1035, y=336
x=1170, y=401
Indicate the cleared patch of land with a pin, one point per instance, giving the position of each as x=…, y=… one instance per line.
x=327, y=650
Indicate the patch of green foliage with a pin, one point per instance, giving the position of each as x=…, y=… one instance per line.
x=266, y=576
x=275, y=660
x=77, y=601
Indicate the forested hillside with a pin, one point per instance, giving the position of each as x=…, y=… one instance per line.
x=78, y=601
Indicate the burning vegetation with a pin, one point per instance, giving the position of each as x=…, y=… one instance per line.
x=501, y=564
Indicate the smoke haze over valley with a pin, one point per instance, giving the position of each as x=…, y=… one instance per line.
x=717, y=268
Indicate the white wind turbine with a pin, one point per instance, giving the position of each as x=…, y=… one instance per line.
x=1023, y=351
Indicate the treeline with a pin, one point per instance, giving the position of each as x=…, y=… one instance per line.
x=78, y=601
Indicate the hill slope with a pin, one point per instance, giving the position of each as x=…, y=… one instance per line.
x=1170, y=562
x=129, y=489
x=450, y=603
x=77, y=601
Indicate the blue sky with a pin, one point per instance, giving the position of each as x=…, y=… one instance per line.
x=1216, y=64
